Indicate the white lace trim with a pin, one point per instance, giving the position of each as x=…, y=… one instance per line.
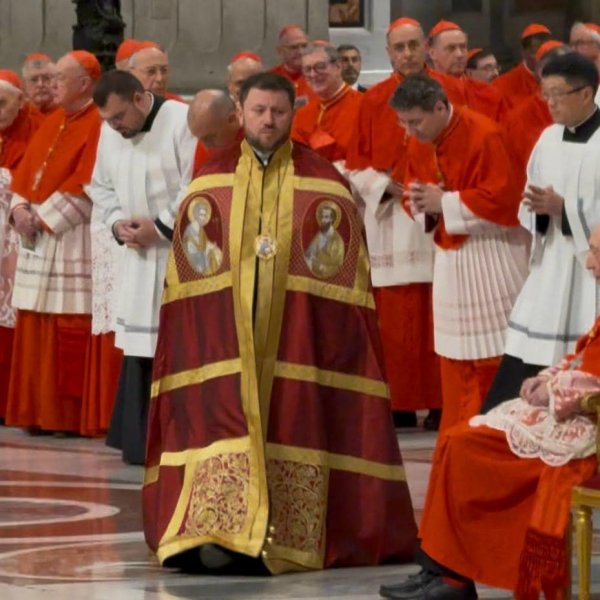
x=532, y=432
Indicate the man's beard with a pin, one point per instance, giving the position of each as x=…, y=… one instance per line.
x=257, y=144
x=350, y=75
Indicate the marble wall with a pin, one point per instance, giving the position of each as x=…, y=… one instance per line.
x=199, y=35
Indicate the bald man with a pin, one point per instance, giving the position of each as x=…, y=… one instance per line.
x=242, y=66
x=292, y=42
x=151, y=66
x=214, y=121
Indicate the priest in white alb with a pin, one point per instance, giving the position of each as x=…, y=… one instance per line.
x=145, y=156
x=561, y=205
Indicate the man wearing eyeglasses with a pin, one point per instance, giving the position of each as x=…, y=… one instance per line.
x=52, y=291
x=144, y=159
x=151, y=66
x=326, y=122
x=292, y=42
x=559, y=300
x=38, y=75
x=482, y=65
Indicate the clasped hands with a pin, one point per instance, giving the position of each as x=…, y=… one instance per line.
x=26, y=222
x=137, y=233
x=421, y=197
x=543, y=201
x=534, y=391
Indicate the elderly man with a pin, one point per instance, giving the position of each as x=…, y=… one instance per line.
x=242, y=66
x=498, y=504
x=585, y=39
x=38, y=73
x=18, y=122
x=214, y=121
x=327, y=121
x=52, y=292
x=351, y=61
x=151, y=66
x=482, y=65
x=559, y=300
x=448, y=53
x=261, y=448
x=460, y=182
x=520, y=82
x=292, y=41
x=144, y=159
x=401, y=254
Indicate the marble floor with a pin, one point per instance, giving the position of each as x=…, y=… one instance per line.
x=70, y=529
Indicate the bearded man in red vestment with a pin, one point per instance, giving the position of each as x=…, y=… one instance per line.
x=268, y=383
x=498, y=504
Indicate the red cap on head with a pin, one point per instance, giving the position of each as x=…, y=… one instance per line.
x=89, y=62
x=534, y=29
x=127, y=49
x=287, y=28
x=37, y=56
x=474, y=52
x=442, y=26
x=546, y=47
x=595, y=28
x=12, y=78
x=402, y=22
x=241, y=55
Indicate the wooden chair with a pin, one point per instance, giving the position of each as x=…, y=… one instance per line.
x=585, y=497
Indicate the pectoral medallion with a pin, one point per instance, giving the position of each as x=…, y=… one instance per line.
x=265, y=246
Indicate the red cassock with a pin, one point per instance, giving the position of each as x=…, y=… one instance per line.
x=268, y=382
x=480, y=97
x=13, y=142
x=523, y=127
x=327, y=126
x=469, y=157
x=303, y=91
x=46, y=384
x=404, y=311
x=516, y=85
x=500, y=519
x=100, y=383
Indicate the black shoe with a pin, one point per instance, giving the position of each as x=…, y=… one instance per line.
x=435, y=588
x=411, y=584
x=403, y=418
x=432, y=420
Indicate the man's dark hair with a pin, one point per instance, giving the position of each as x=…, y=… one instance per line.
x=537, y=39
x=474, y=60
x=577, y=70
x=418, y=91
x=121, y=83
x=267, y=82
x=347, y=47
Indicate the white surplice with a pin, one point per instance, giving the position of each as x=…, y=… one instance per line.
x=144, y=176
x=399, y=250
x=559, y=301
